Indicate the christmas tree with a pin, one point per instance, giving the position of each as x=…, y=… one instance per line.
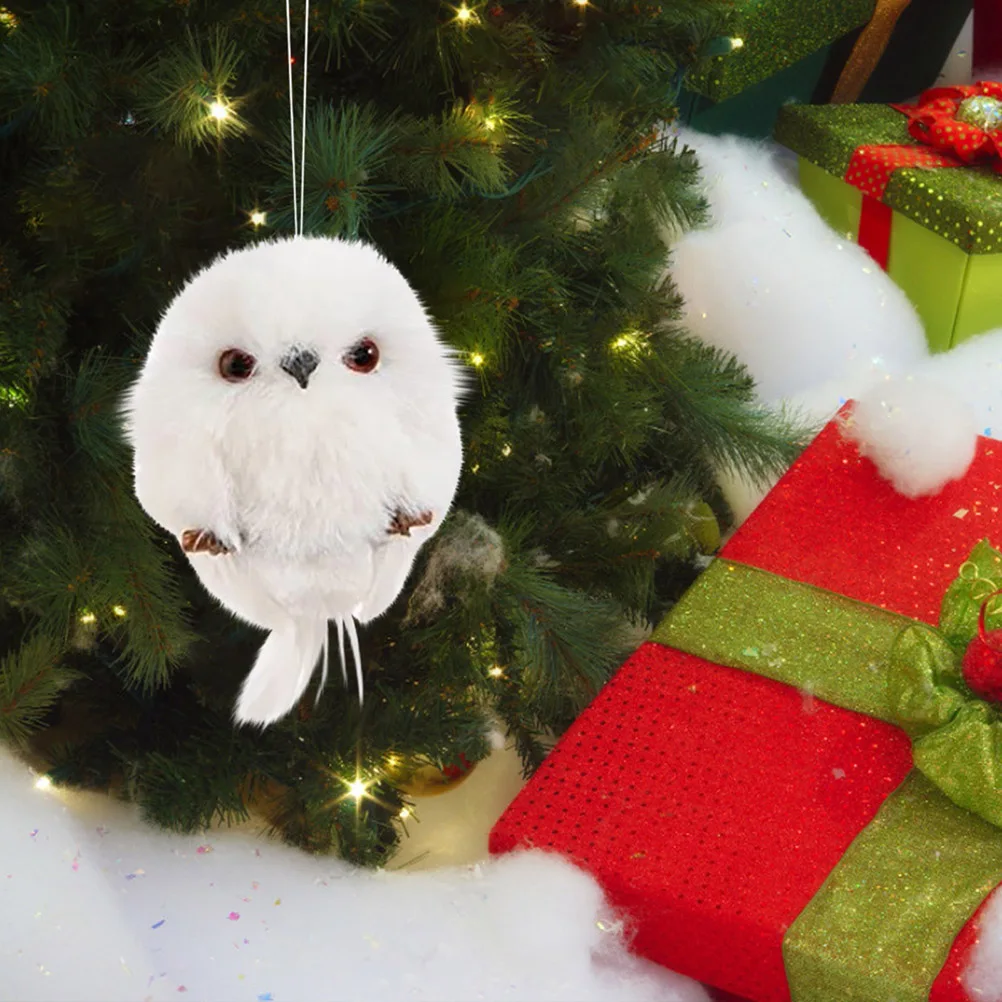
x=510, y=158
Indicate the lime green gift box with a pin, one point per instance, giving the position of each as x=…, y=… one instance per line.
x=945, y=248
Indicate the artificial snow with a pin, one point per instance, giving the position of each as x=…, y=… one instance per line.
x=97, y=905
x=817, y=323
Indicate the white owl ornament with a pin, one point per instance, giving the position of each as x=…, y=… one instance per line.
x=295, y=427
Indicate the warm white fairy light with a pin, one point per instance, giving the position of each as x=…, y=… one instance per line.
x=496, y=672
x=219, y=111
x=357, y=788
x=632, y=342
x=464, y=15
x=477, y=360
x=404, y=814
x=43, y=783
x=258, y=218
x=88, y=618
x=506, y=451
x=737, y=43
x=581, y=3
x=490, y=123
x=119, y=610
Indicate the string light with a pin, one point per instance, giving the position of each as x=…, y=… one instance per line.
x=506, y=451
x=581, y=3
x=496, y=672
x=219, y=111
x=630, y=342
x=737, y=43
x=357, y=788
x=88, y=619
x=43, y=783
x=119, y=610
x=393, y=761
x=475, y=468
x=464, y=15
x=258, y=218
x=491, y=123
x=404, y=814
x=8, y=18
x=477, y=360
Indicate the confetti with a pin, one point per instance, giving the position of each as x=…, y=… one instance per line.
x=233, y=916
x=135, y=873
x=254, y=885
x=203, y=849
x=265, y=997
x=156, y=925
x=33, y=832
x=960, y=513
x=278, y=901
x=181, y=988
x=75, y=865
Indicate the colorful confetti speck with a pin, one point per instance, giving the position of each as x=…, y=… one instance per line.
x=278, y=901
x=265, y=997
x=156, y=925
x=254, y=885
x=181, y=988
x=233, y=916
x=75, y=865
x=135, y=873
x=203, y=849
x=33, y=833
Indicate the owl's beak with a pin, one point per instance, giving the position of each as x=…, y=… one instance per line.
x=300, y=364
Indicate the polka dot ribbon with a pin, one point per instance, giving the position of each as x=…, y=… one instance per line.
x=933, y=122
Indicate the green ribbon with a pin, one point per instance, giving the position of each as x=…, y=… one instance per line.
x=884, y=921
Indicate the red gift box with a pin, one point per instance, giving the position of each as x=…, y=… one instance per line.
x=712, y=803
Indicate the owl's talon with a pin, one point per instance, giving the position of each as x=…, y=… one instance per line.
x=202, y=541
x=402, y=522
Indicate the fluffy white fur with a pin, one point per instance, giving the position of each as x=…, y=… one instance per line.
x=817, y=323
x=300, y=482
x=96, y=905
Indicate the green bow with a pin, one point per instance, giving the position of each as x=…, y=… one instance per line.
x=956, y=737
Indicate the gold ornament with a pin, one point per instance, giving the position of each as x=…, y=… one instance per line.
x=982, y=111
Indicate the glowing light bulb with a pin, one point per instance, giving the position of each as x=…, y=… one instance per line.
x=495, y=672
x=258, y=218
x=43, y=783
x=463, y=14
x=393, y=761
x=581, y=3
x=491, y=123
x=632, y=341
x=475, y=468
x=506, y=451
x=620, y=343
x=476, y=359
x=219, y=111
x=119, y=610
x=737, y=43
x=88, y=618
x=404, y=813
x=357, y=788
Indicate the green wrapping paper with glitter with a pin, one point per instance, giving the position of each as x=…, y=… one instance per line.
x=772, y=35
x=882, y=924
x=945, y=248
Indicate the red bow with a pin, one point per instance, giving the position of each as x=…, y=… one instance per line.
x=934, y=121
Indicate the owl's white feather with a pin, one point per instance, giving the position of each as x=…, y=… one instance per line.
x=300, y=477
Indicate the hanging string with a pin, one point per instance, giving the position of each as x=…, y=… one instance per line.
x=292, y=117
x=302, y=161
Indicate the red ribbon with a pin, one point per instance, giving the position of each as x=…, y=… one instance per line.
x=932, y=122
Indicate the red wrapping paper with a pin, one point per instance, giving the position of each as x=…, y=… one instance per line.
x=712, y=803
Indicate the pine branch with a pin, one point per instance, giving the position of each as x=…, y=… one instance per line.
x=31, y=680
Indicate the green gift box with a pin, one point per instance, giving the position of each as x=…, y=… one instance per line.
x=944, y=247
x=774, y=50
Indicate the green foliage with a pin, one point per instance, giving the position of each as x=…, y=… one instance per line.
x=514, y=167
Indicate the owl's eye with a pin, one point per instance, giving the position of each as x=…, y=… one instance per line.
x=362, y=357
x=235, y=365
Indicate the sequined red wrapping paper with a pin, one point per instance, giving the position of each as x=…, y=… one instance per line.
x=711, y=803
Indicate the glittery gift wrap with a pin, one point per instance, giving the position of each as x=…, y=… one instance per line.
x=963, y=205
x=775, y=34
x=762, y=839
x=945, y=247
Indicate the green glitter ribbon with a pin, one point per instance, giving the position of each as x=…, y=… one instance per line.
x=775, y=34
x=884, y=921
x=962, y=204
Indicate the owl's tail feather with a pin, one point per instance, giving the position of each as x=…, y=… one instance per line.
x=281, y=672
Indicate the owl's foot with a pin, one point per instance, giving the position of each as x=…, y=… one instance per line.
x=203, y=541
x=402, y=522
